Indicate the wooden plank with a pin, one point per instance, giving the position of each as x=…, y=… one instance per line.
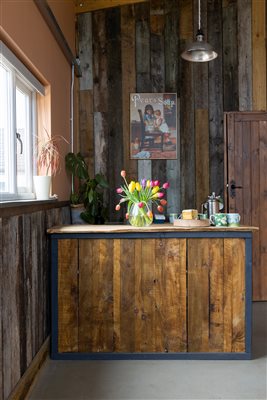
x=214, y=11
x=96, y=295
x=170, y=295
x=86, y=131
x=157, y=71
x=117, y=295
x=238, y=167
x=127, y=294
x=148, y=296
x=256, y=211
x=68, y=295
x=128, y=82
x=259, y=55
x=171, y=50
x=244, y=55
x=92, y=5
x=100, y=69
x=262, y=279
x=186, y=22
x=202, y=155
x=143, y=82
x=138, y=300
x=247, y=179
x=234, y=295
x=10, y=322
x=114, y=116
x=198, y=295
x=85, y=45
x=216, y=300
x=230, y=56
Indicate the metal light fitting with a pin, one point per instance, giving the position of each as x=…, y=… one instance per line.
x=199, y=51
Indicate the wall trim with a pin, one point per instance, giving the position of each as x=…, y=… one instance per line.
x=25, y=383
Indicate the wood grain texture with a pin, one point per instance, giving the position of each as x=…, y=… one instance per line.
x=202, y=155
x=244, y=46
x=84, y=28
x=87, y=146
x=128, y=55
x=216, y=296
x=114, y=116
x=259, y=55
x=68, y=295
x=246, y=154
x=92, y=5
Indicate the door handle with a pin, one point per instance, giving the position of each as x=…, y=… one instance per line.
x=233, y=187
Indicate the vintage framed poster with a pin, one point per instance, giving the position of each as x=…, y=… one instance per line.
x=153, y=126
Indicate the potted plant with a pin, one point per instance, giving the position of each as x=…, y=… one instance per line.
x=87, y=194
x=48, y=164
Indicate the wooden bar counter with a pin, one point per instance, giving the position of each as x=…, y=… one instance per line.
x=161, y=292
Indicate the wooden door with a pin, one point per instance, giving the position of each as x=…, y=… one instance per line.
x=246, y=183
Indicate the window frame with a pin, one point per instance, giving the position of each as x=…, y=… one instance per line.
x=20, y=78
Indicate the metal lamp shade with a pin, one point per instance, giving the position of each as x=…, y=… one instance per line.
x=199, y=51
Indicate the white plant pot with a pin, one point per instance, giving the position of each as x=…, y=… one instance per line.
x=42, y=187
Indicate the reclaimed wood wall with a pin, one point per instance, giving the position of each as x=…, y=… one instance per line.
x=24, y=290
x=136, y=48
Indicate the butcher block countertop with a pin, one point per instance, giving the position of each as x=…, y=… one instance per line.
x=166, y=227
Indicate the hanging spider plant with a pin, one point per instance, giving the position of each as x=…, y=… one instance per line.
x=48, y=156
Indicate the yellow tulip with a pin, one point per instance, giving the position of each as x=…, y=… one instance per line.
x=155, y=189
x=148, y=183
x=131, y=186
x=138, y=186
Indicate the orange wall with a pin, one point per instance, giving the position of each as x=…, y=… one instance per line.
x=27, y=34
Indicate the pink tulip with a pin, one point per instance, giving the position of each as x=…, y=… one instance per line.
x=160, y=208
x=163, y=202
x=127, y=215
x=152, y=184
x=156, y=183
x=119, y=190
x=123, y=173
x=160, y=195
x=118, y=207
x=166, y=185
x=141, y=204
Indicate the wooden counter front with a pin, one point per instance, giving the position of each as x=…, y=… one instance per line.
x=160, y=292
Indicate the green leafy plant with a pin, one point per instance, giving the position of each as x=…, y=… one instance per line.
x=90, y=191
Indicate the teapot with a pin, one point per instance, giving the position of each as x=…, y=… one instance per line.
x=213, y=205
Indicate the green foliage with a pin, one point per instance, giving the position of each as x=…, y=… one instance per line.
x=90, y=190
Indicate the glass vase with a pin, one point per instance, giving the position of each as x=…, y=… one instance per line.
x=140, y=216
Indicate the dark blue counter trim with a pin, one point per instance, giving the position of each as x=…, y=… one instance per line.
x=153, y=235
x=150, y=356
x=55, y=355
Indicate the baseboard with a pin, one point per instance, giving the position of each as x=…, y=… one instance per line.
x=24, y=384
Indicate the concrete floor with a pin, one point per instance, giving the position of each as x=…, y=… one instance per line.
x=165, y=380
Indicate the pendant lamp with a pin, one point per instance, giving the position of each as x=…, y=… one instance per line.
x=199, y=51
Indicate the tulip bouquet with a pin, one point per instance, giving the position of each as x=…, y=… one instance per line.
x=140, y=197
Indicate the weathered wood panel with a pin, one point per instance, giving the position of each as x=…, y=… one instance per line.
x=68, y=295
x=244, y=54
x=143, y=82
x=246, y=158
x=259, y=55
x=114, y=116
x=202, y=155
x=171, y=50
x=216, y=297
x=24, y=290
x=128, y=55
x=95, y=323
x=230, y=56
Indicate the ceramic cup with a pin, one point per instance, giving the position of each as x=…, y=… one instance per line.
x=203, y=216
x=233, y=219
x=172, y=217
x=218, y=219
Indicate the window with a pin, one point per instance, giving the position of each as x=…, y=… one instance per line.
x=18, y=121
